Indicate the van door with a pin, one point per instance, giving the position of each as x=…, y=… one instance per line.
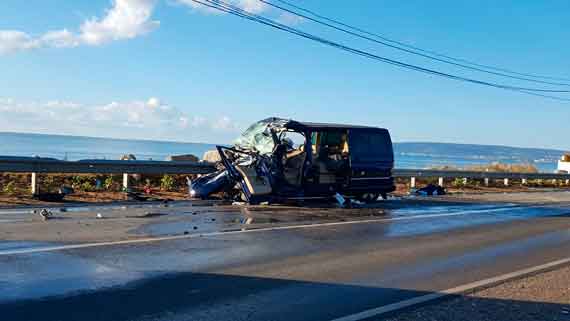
x=371, y=159
x=254, y=181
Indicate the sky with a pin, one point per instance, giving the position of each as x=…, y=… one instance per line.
x=173, y=70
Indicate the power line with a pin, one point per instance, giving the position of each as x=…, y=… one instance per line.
x=229, y=8
x=408, y=50
x=431, y=52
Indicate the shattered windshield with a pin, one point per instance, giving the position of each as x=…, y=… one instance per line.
x=257, y=138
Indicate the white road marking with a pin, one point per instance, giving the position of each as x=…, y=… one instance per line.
x=456, y=290
x=253, y=230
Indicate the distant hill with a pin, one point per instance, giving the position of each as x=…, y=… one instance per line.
x=480, y=152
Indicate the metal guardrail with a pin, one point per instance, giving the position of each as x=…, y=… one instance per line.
x=50, y=165
x=95, y=166
x=126, y=167
x=418, y=173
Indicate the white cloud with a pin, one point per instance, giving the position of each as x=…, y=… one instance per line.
x=126, y=19
x=153, y=102
x=150, y=119
x=225, y=123
x=59, y=39
x=290, y=19
x=253, y=6
x=14, y=41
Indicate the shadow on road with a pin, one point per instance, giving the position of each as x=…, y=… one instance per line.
x=199, y=296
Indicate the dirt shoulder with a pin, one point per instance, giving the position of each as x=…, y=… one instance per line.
x=513, y=195
x=15, y=189
x=541, y=297
x=83, y=198
x=532, y=197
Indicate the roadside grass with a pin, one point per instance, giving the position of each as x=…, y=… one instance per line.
x=19, y=184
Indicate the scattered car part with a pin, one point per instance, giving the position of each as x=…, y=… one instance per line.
x=46, y=214
x=66, y=190
x=431, y=190
x=340, y=200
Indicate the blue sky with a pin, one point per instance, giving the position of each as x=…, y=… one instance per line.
x=164, y=69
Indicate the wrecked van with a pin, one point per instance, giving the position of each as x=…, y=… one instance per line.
x=277, y=159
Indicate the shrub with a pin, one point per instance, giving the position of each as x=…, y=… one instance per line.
x=49, y=182
x=87, y=186
x=166, y=183
x=458, y=182
x=109, y=183
x=9, y=188
x=76, y=181
x=83, y=183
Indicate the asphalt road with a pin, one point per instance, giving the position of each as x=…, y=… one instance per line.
x=320, y=271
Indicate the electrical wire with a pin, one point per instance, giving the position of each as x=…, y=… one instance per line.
x=229, y=8
x=408, y=50
x=431, y=52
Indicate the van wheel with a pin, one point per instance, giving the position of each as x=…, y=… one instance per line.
x=368, y=197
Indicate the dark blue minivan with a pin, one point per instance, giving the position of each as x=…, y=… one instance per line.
x=282, y=158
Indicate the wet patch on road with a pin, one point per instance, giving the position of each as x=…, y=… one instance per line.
x=400, y=220
x=454, y=218
x=55, y=273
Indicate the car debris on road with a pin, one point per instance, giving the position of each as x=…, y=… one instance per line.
x=431, y=190
x=46, y=214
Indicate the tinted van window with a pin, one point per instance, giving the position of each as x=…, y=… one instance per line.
x=370, y=145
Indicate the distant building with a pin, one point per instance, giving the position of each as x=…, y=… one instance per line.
x=564, y=164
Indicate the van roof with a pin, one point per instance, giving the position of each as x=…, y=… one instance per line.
x=298, y=125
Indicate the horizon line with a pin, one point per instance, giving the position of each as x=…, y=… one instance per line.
x=558, y=149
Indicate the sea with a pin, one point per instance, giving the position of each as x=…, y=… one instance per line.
x=78, y=147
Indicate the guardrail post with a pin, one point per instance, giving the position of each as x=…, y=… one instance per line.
x=506, y=182
x=440, y=181
x=554, y=181
x=524, y=181
x=413, y=182
x=35, y=184
x=568, y=182
x=487, y=181
x=125, y=181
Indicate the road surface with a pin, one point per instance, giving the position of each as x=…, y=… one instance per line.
x=316, y=270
